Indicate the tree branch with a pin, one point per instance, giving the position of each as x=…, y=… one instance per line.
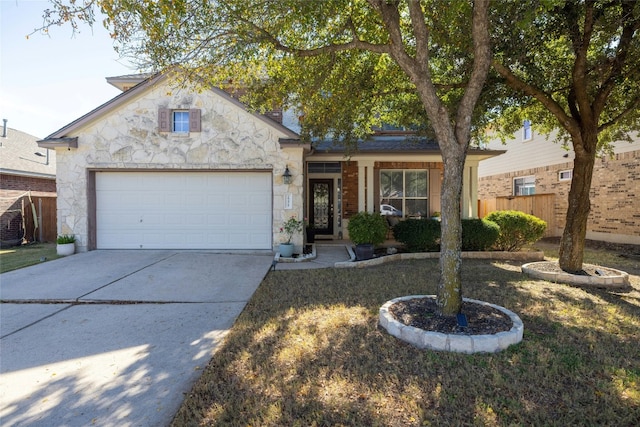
x=631, y=108
x=630, y=27
x=355, y=43
x=420, y=31
x=581, y=46
x=567, y=122
x=481, y=64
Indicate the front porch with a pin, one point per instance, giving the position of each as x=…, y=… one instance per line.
x=405, y=175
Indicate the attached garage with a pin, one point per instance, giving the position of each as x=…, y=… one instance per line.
x=183, y=210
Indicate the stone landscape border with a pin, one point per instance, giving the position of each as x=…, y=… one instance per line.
x=499, y=255
x=301, y=258
x=458, y=343
x=618, y=280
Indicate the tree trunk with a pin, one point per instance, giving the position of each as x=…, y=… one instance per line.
x=449, y=296
x=575, y=231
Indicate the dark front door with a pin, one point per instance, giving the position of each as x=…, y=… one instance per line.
x=321, y=205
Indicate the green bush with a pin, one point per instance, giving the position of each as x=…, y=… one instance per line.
x=418, y=235
x=516, y=229
x=63, y=239
x=367, y=227
x=479, y=234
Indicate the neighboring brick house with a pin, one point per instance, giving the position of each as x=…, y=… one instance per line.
x=25, y=169
x=535, y=167
x=160, y=167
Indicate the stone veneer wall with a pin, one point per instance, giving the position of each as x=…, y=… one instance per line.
x=615, y=191
x=128, y=139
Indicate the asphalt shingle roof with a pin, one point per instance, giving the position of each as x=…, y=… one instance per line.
x=18, y=155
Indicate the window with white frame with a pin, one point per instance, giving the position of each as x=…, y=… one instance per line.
x=527, y=132
x=565, y=175
x=524, y=186
x=178, y=121
x=406, y=190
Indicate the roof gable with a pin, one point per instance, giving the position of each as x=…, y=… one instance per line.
x=140, y=90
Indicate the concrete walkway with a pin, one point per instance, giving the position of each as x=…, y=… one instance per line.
x=327, y=254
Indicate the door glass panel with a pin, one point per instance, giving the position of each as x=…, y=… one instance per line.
x=321, y=205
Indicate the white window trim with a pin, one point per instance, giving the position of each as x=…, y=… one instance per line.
x=404, y=180
x=524, y=135
x=524, y=178
x=566, y=171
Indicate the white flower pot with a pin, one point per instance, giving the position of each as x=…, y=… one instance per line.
x=65, y=249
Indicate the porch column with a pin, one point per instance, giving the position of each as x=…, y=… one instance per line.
x=470, y=190
x=365, y=186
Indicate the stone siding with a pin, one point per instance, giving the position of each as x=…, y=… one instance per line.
x=128, y=139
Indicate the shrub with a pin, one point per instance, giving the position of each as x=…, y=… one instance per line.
x=479, y=234
x=63, y=239
x=367, y=227
x=516, y=229
x=418, y=235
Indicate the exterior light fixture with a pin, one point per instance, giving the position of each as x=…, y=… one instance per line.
x=286, y=176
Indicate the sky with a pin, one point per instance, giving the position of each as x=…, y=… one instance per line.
x=46, y=82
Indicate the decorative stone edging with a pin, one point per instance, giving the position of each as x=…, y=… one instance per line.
x=458, y=343
x=303, y=258
x=513, y=256
x=619, y=280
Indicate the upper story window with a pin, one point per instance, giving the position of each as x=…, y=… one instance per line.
x=565, y=175
x=404, y=192
x=524, y=186
x=527, y=132
x=178, y=121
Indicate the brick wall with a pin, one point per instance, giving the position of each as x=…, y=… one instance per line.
x=615, y=192
x=349, y=188
x=12, y=190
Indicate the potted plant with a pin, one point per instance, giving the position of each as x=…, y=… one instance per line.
x=366, y=229
x=289, y=228
x=66, y=244
x=310, y=231
x=436, y=216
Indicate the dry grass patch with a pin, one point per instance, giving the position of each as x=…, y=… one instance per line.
x=24, y=256
x=307, y=351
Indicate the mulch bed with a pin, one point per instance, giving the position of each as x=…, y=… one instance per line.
x=422, y=313
x=587, y=269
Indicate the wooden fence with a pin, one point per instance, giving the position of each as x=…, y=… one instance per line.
x=45, y=209
x=540, y=205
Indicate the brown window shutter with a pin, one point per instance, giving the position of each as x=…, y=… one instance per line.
x=164, y=120
x=194, y=120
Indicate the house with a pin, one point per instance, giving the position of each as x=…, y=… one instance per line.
x=534, y=175
x=27, y=172
x=164, y=167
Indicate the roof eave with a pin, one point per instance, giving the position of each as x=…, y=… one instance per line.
x=65, y=142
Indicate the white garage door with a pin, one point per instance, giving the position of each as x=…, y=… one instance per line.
x=183, y=210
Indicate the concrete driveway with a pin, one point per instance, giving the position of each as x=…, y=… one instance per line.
x=115, y=338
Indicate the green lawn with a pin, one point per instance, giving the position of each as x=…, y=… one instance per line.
x=24, y=256
x=307, y=351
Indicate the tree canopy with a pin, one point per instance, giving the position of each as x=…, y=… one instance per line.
x=572, y=66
